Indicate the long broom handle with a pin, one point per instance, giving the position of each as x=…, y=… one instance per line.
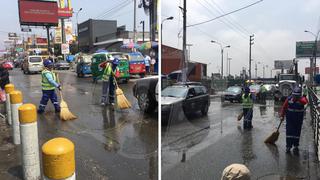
x=58, y=80
x=279, y=125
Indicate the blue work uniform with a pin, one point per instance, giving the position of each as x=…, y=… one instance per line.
x=294, y=120
x=49, y=83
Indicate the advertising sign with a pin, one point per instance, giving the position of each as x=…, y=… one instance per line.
x=38, y=13
x=65, y=49
x=64, y=10
x=40, y=41
x=68, y=32
x=306, y=49
x=58, y=34
x=307, y=70
x=283, y=64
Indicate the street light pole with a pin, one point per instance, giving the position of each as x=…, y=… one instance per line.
x=78, y=28
x=313, y=62
x=222, y=48
x=169, y=18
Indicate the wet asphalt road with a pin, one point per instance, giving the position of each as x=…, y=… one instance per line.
x=110, y=144
x=198, y=147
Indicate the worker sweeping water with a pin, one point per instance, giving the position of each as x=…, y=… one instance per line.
x=108, y=84
x=247, y=104
x=49, y=83
x=294, y=109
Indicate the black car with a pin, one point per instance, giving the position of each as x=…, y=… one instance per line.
x=190, y=96
x=233, y=93
x=61, y=64
x=146, y=92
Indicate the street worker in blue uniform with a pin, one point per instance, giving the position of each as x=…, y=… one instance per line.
x=49, y=84
x=247, y=105
x=293, y=108
x=108, y=80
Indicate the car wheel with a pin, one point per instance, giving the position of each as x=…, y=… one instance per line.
x=146, y=104
x=204, y=110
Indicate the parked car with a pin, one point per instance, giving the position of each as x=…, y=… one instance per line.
x=270, y=89
x=233, y=93
x=7, y=65
x=146, y=92
x=32, y=64
x=191, y=96
x=61, y=64
x=255, y=89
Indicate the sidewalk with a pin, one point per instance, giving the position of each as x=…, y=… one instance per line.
x=10, y=166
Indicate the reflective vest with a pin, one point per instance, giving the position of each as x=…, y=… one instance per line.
x=46, y=85
x=247, y=102
x=107, y=72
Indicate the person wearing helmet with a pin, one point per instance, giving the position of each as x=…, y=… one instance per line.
x=293, y=109
x=247, y=105
x=49, y=83
x=112, y=87
x=107, y=80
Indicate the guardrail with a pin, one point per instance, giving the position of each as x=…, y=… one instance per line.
x=315, y=115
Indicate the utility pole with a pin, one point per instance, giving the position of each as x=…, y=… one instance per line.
x=263, y=70
x=48, y=38
x=250, y=44
x=142, y=22
x=134, y=20
x=256, y=68
x=221, y=63
x=184, y=44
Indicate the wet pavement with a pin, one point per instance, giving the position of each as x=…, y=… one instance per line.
x=197, y=147
x=109, y=143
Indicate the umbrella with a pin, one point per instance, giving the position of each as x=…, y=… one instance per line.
x=149, y=45
x=130, y=45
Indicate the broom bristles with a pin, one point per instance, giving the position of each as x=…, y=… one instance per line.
x=65, y=113
x=122, y=101
x=272, y=138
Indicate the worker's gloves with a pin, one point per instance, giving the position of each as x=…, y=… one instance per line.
x=59, y=87
x=281, y=118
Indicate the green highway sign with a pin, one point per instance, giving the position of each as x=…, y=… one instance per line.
x=19, y=49
x=306, y=49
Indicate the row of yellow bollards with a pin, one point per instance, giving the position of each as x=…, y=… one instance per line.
x=58, y=160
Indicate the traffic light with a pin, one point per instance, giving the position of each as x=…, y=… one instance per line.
x=251, y=39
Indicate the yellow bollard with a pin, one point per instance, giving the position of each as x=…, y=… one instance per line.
x=29, y=141
x=58, y=159
x=16, y=102
x=8, y=88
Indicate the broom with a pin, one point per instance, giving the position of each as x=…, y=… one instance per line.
x=65, y=114
x=274, y=136
x=122, y=101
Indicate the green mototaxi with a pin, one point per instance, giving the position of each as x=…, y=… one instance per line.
x=99, y=58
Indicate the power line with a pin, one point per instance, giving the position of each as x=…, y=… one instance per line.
x=231, y=12
x=113, y=9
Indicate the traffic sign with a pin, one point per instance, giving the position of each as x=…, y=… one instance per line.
x=306, y=49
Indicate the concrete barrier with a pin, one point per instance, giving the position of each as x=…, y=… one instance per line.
x=29, y=142
x=58, y=159
x=16, y=102
x=8, y=88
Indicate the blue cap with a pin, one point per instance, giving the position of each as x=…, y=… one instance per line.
x=116, y=61
x=47, y=63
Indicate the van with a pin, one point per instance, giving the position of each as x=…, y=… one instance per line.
x=32, y=64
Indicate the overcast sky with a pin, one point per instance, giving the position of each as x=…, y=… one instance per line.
x=9, y=16
x=276, y=26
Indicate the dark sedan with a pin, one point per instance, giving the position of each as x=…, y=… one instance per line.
x=233, y=93
x=187, y=98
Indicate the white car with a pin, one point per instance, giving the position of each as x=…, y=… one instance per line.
x=32, y=64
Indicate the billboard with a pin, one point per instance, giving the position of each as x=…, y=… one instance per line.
x=306, y=49
x=68, y=32
x=41, y=41
x=283, y=64
x=38, y=13
x=307, y=70
x=64, y=10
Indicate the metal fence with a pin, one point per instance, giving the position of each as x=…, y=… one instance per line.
x=315, y=115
